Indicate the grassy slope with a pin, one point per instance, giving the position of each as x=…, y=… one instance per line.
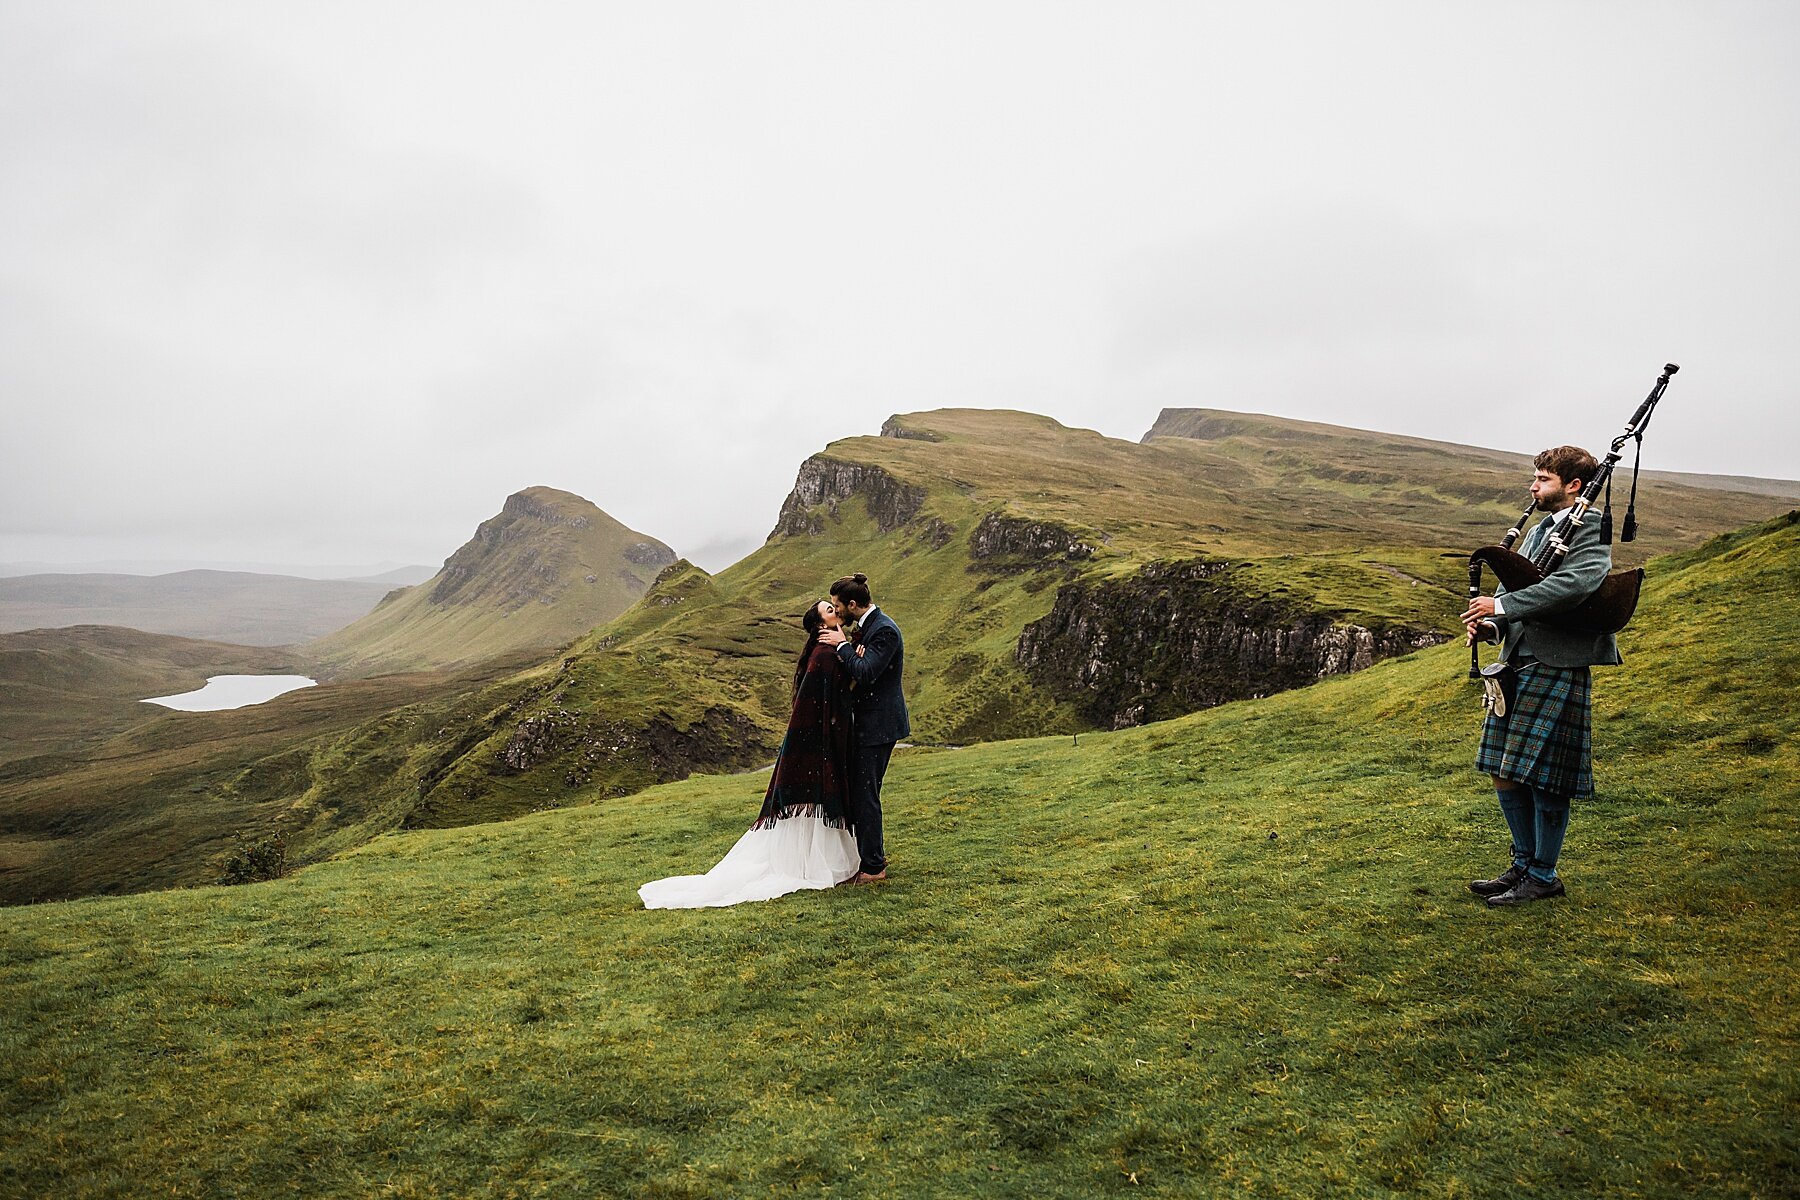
x=65, y=689
x=1371, y=529
x=1229, y=952
x=1464, y=495
x=164, y=801
x=545, y=574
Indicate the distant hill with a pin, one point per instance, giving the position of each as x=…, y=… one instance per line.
x=380, y=571
x=223, y=606
x=1388, y=457
x=399, y=576
x=546, y=569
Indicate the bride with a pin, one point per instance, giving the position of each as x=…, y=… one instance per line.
x=800, y=839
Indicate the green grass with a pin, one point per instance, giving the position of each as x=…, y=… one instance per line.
x=1226, y=954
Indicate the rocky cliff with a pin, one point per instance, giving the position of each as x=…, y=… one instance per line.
x=1182, y=636
x=828, y=482
x=896, y=427
x=999, y=536
x=513, y=559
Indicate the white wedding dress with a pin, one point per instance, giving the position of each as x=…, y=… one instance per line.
x=790, y=855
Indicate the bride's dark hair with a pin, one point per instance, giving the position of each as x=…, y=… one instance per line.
x=813, y=622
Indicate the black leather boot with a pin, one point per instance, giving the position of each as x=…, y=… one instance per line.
x=1503, y=882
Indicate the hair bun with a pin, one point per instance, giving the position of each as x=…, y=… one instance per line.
x=860, y=577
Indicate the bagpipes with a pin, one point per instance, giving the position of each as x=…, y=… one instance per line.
x=1611, y=605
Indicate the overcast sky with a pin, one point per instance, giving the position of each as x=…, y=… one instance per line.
x=325, y=282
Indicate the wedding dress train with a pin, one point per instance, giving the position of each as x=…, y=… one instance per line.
x=772, y=859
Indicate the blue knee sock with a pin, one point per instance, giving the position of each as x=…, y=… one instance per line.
x=1550, y=816
x=1516, y=806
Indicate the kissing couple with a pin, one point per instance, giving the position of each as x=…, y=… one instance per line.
x=820, y=824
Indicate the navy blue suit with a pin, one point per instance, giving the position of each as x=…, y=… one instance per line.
x=877, y=720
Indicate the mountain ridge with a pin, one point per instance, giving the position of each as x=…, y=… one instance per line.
x=545, y=569
x=239, y=607
x=1217, y=424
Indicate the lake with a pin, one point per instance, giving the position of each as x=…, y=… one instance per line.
x=233, y=691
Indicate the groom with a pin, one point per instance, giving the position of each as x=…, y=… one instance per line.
x=877, y=714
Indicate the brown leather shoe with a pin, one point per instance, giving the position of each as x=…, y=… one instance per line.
x=862, y=877
x=1525, y=891
x=1503, y=882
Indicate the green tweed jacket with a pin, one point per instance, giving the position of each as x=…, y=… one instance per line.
x=1522, y=628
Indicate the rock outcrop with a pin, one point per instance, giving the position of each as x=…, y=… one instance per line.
x=649, y=554
x=892, y=428
x=1000, y=536
x=1181, y=636
x=580, y=742
x=828, y=482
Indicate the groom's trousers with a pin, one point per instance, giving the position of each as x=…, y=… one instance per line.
x=868, y=764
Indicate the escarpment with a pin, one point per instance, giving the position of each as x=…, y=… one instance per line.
x=580, y=743
x=999, y=536
x=828, y=482
x=1182, y=636
x=649, y=554
x=894, y=427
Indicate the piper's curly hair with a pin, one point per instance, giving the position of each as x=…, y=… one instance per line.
x=853, y=589
x=1567, y=463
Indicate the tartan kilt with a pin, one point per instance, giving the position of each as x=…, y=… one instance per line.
x=1546, y=737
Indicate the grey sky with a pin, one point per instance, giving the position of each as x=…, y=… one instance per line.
x=326, y=282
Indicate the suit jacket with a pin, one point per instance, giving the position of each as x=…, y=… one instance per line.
x=878, y=710
x=1522, y=627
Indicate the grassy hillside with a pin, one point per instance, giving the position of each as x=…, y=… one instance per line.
x=65, y=689
x=222, y=606
x=1225, y=954
x=970, y=523
x=167, y=798
x=1403, y=473
x=547, y=568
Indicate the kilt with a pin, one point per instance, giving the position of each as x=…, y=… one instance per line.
x=1546, y=738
